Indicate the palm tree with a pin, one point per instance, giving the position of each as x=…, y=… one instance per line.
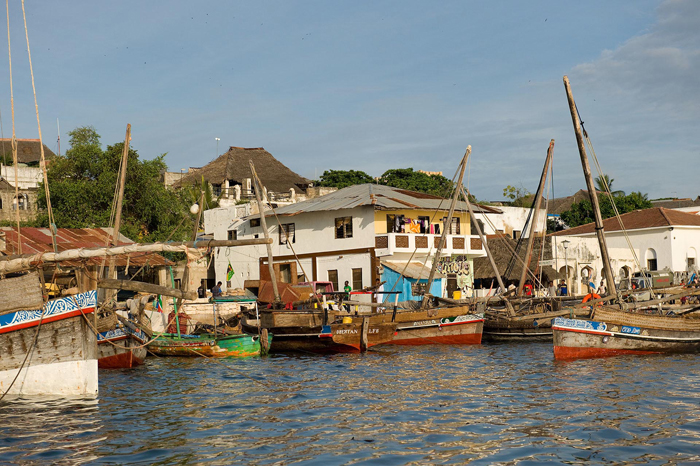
x=603, y=180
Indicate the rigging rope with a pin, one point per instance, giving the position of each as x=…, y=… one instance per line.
x=14, y=140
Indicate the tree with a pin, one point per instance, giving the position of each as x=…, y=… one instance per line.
x=581, y=213
x=519, y=197
x=603, y=180
x=82, y=187
x=344, y=178
x=406, y=178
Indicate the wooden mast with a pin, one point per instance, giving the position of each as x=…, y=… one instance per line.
x=447, y=225
x=533, y=221
x=263, y=224
x=509, y=306
x=112, y=272
x=609, y=278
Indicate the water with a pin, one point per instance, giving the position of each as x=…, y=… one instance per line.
x=492, y=404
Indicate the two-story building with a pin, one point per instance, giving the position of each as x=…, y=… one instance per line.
x=360, y=234
x=660, y=239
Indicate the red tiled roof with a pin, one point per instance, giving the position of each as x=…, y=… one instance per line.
x=35, y=240
x=655, y=217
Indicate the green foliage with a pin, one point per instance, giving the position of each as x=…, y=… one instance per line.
x=406, y=178
x=602, y=180
x=519, y=197
x=83, y=186
x=344, y=178
x=582, y=212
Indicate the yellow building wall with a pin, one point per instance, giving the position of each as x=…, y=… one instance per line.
x=380, y=218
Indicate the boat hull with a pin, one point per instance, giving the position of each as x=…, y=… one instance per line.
x=437, y=326
x=64, y=360
x=230, y=346
x=127, y=350
x=574, y=338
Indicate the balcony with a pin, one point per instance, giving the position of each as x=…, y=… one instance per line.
x=397, y=243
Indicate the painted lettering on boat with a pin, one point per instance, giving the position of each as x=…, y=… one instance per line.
x=631, y=330
x=425, y=322
x=345, y=331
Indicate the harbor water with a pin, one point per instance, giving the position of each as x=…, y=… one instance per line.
x=510, y=404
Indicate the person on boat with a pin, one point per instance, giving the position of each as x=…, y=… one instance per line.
x=563, y=289
x=552, y=289
x=527, y=288
x=601, y=288
x=202, y=290
x=216, y=291
x=347, y=289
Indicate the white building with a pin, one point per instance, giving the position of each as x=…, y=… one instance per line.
x=357, y=234
x=661, y=239
x=510, y=221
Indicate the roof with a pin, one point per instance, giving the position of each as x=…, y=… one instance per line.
x=234, y=166
x=28, y=151
x=380, y=197
x=656, y=217
x=415, y=270
x=502, y=247
x=676, y=203
x=36, y=240
x=561, y=204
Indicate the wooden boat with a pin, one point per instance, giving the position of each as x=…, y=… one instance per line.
x=444, y=325
x=215, y=346
x=50, y=349
x=626, y=329
x=122, y=347
x=318, y=331
x=613, y=332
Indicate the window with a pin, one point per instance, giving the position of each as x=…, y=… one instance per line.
x=333, y=278
x=343, y=227
x=23, y=202
x=651, y=264
x=691, y=261
x=254, y=222
x=286, y=273
x=474, y=231
x=216, y=189
x=232, y=234
x=286, y=233
x=356, y=279
x=454, y=226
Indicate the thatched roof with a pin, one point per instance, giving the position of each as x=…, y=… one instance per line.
x=28, y=151
x=501, y=248
x=234, y=166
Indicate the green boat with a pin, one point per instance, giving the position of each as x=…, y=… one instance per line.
x=209, y=345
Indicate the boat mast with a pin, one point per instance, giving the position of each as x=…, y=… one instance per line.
x=610, y=280
x=112, y=271
x=447, y=225
x=263, y=224
x=533, y=221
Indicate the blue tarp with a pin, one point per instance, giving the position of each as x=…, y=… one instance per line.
x=404, y=286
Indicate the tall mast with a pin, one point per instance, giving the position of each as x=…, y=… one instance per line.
x=509, y=306
x=533, y=222
x=263, y=224
x=609, y=278
x=112, y=272
x=448, y=224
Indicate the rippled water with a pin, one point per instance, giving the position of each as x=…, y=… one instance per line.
x=490, y=404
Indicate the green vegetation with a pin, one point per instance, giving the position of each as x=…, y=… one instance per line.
x=582, y=212
x=403, y=178
x=519, y=197
x=83, y=186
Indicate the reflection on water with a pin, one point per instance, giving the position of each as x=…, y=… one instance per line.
x=505, y=403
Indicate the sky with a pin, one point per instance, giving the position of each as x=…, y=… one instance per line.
x=373, y=85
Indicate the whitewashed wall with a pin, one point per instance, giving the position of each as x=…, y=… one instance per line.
x=512, y=218
x=314, y=232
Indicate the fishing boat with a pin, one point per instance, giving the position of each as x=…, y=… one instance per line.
x=209, y=345
x=122, y=346
x=612, y=327
x=48, y=348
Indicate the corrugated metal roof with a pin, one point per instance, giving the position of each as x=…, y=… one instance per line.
x=654, y=217
x=380, y=196
x=415, y=270
x=36, y=240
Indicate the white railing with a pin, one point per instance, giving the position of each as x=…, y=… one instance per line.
x=390, y=243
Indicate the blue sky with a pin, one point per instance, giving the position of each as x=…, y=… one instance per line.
x=373, y=85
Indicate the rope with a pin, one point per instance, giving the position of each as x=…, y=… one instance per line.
x=52, y=220
x=31, y=351
x=14, y=140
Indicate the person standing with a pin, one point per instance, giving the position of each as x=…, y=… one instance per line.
x=563, y=289
x=216, y=291
x=601, y=289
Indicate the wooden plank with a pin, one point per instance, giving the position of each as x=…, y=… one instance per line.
x=141, y=287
